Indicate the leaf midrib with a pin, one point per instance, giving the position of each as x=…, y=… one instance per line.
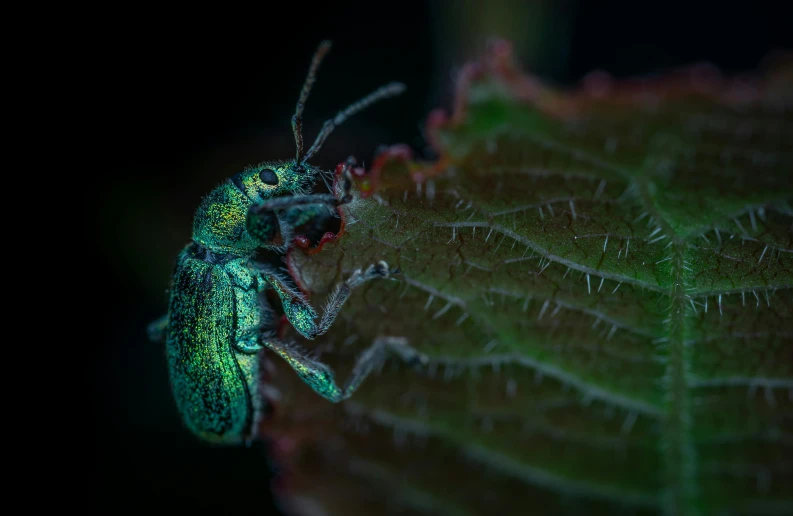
x=680, y=494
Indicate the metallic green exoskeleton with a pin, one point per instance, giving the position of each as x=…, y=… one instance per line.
x=219, y=318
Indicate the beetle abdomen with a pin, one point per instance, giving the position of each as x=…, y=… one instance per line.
x=207, y=383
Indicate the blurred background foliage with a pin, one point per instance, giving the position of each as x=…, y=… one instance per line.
x=191, y=99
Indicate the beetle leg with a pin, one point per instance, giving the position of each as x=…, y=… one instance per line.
x=249, y=347
x=275, y=219
x=301, y=314
x=156, y=329
x=300, y=215
x=374, y=357
x=288, y=201
x=320, y=377
x=263, y=221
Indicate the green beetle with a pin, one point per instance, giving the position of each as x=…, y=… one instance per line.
x=219, y=319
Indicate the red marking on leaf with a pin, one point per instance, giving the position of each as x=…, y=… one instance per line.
x=598, y=88
x=598, y=84
x=302, y=242
x=469, y=73
x=327, y=237
x=401, y=153
x=336, y=190
x=435, y=121
x=371, y=181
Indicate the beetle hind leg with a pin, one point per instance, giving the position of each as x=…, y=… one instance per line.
x=248, y=346
x=156, y=329
x=375, y=356
x=320, y=377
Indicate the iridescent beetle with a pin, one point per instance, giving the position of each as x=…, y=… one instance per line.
x=219, y=318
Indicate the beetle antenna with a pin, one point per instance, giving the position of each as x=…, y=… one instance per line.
x=297, y=118
x=383, y=92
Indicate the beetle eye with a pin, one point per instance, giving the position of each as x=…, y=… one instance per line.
x=268, y=177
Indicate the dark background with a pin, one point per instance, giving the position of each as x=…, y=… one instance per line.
x=190, y=98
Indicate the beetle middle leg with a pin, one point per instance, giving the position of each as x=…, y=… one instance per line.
x=301, y=314
x=320, y=377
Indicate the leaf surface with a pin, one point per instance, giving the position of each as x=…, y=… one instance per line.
x=602, y=281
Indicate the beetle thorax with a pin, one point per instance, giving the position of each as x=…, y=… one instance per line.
x=220, y=222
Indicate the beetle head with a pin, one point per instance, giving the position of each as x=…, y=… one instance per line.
x=273, y=179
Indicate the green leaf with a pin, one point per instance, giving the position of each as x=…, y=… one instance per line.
x=603, y=282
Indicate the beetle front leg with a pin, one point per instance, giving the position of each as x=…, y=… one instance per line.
x=276, y=218
x=263, y=221
x=320, y=377
x=156, y=329
x=301, y=314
